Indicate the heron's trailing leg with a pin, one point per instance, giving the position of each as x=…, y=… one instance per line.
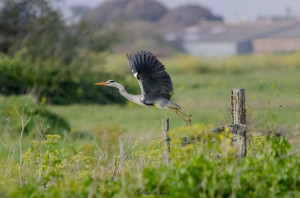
x=180, y=115
x=186, y=118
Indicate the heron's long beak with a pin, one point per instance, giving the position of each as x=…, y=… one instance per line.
x=102, y=83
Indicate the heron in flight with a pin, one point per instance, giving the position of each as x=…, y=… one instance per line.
x=155, y=84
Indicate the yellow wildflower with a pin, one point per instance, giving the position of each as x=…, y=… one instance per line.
x=43, y=100
x=227, y=129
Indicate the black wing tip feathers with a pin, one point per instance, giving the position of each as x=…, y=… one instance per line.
x=151, y=72
x=139, y=60
x=142, y=52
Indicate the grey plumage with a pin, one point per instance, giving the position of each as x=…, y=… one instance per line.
x=155, y=83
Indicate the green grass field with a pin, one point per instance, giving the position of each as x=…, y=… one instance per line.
x=269, y=92
x=116, y=151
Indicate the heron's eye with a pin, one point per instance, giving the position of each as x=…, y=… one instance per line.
x=110, y=81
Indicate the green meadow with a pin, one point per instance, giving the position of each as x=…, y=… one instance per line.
x=62, y=136
x=272, y=95
x=115, y=149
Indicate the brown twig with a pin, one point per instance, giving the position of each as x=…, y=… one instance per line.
x=24, y=124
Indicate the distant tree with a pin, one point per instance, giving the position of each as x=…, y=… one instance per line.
x=35, y=30
x=186, y=16
x=29, y=25
x=14, y=19
x=54, y=59
x=115, y=10
x=79, y=11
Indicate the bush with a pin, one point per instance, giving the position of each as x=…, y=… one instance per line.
x=11, y=121
x=15, y=77
x=51, y=58
x=58, y=84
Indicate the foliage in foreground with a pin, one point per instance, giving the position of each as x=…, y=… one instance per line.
x=54, y=167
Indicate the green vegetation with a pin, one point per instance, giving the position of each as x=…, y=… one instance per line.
x=83, y=140
x=55, y=85
x=272, y=95
x=115, y=150
x=43, y=55
x=57, y=167
x=11, y=124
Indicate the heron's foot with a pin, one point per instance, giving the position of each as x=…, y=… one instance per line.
x=188, y=121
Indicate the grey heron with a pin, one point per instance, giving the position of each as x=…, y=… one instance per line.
x=155, y=84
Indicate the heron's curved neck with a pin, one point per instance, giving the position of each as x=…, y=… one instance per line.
x=125, y=94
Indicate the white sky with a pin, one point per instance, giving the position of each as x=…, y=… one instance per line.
x=231, y=10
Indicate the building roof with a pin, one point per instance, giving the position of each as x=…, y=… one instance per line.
x=292, y=33
x=221, y=32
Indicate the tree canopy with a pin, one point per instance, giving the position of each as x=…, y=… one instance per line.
x=49, y=57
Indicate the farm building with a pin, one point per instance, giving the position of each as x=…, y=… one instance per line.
x=288, y=40
x=221, y=40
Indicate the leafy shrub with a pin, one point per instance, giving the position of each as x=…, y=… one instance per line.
x=195, y=170
x=44, y=55
x=15, y=77
x=56, y=84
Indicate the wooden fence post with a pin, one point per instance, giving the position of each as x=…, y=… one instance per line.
x=238, y=105
x=165, y=140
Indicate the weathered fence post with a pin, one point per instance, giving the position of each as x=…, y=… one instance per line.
x=165, y=140
x=238, y=105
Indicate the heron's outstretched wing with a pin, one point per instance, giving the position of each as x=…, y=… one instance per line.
x=151, y=74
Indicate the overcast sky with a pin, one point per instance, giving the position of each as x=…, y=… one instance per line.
x=231, y=10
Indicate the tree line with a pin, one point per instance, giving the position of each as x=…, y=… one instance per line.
x=40, y=53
